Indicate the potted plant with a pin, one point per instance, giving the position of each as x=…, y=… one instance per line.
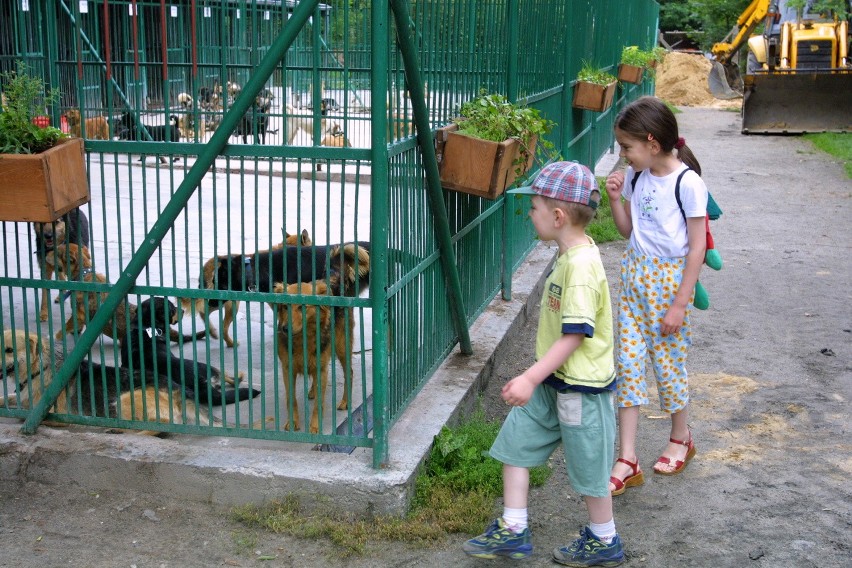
x=632, y=66
x=490, y=145
x=594, y=89
x=42, y=171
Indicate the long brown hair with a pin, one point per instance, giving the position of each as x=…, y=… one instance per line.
x=650, y=116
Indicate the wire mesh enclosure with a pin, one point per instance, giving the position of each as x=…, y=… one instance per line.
x=263, y=255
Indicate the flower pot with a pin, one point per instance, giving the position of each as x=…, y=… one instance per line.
x=591, y=96
x=478, y=167
x=630, y=73
x=43, y=187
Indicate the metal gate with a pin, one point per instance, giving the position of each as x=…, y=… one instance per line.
x=232, y=123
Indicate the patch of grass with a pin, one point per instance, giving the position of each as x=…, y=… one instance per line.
x=454, y=493
x=244, y=542
x=602, y=228
x=837, y=144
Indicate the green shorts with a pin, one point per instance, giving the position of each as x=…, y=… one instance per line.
x=584, y=423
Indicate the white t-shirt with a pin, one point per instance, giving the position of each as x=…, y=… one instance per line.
x=658, y=226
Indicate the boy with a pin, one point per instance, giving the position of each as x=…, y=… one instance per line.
x=566, y=396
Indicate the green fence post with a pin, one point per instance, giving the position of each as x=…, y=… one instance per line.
x=430, y=163
x=170, y=213
x=512, y=16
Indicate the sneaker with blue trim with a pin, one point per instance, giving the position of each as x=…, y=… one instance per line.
x=589, y=550
x=499, y=540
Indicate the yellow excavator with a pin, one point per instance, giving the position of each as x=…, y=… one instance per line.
x=798, y=73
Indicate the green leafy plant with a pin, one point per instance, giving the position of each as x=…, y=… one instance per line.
x=24, y=98
x=840, y=8
x=493, y=117
x=632, y=55
x=590, y=73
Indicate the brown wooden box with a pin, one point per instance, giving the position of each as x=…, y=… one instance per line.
x=43, y=187
x=630, y=73
x=591, y=96
x=475, y=166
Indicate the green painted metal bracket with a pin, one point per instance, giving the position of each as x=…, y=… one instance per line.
x=414, y=82
x=170, y=213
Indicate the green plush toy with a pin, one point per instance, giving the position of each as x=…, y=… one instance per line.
x=713, y=259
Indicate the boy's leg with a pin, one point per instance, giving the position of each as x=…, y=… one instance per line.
x=528, y=437
x=510, y=534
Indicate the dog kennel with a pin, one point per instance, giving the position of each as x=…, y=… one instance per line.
x=345, y=73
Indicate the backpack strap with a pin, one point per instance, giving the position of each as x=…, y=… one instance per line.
x=676, y=192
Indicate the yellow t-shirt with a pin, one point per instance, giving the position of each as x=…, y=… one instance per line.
x=576, y=300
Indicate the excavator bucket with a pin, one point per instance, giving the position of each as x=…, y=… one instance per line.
x=792, y=103
x=720, y=81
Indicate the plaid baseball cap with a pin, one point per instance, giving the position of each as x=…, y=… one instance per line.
x=565, y=181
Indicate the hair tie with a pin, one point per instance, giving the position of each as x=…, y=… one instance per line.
x=680, y=143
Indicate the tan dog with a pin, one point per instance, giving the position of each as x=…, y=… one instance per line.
x=75, y=263
x=97, y=127
x=186, y=124
x=297, y=122
x=335, y=137
x=208, y=281
x=73, y=227
x=98, y=390
x=300, y=326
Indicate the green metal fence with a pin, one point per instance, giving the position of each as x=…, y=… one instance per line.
x=327, y=96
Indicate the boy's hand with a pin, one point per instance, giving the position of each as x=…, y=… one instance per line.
x=518, y=391
x=614, y=183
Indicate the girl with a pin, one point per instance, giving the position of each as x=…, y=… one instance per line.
x=658, y=275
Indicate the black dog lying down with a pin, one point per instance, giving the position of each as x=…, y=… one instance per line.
x=146, y=344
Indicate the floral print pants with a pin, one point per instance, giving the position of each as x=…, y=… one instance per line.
x=648, y=287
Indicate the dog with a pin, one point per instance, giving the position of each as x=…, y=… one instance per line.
x=210, y=274
x=297, y=122
x=188, y=120
x=96, y=390
x=145, y=346
x=300, y=326
x=255, y=121
x=97, y=127
x=129, y=129
x=74, y=262
x=73, y=227
x=335, y=137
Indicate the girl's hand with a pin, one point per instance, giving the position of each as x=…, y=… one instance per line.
x=614, y=183
x=518, y=391
x=673, y=320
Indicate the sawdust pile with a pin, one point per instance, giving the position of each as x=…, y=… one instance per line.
x=682, y=80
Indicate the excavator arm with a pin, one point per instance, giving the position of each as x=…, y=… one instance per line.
x=724, y=79
x=748, y=20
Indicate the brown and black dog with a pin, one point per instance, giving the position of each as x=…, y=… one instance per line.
x=97, y=127
x=300, y=326
x=75, y=263
x=73, y=227
x=214, y=276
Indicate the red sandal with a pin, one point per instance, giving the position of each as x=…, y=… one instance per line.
x=636, y=478
x=678, y=464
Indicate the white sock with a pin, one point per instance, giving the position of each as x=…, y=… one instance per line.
x=515, y=520
x=604, y=531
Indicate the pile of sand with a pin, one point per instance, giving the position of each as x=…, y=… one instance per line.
x=682, y=80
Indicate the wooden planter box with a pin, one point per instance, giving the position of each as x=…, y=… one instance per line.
x=475, y=166
x=43, y=187
x=630, y=73
x=591, y=96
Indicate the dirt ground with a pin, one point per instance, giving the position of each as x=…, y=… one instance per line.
x=771, y=378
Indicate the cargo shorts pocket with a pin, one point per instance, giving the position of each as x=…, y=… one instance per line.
x=569, y=406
